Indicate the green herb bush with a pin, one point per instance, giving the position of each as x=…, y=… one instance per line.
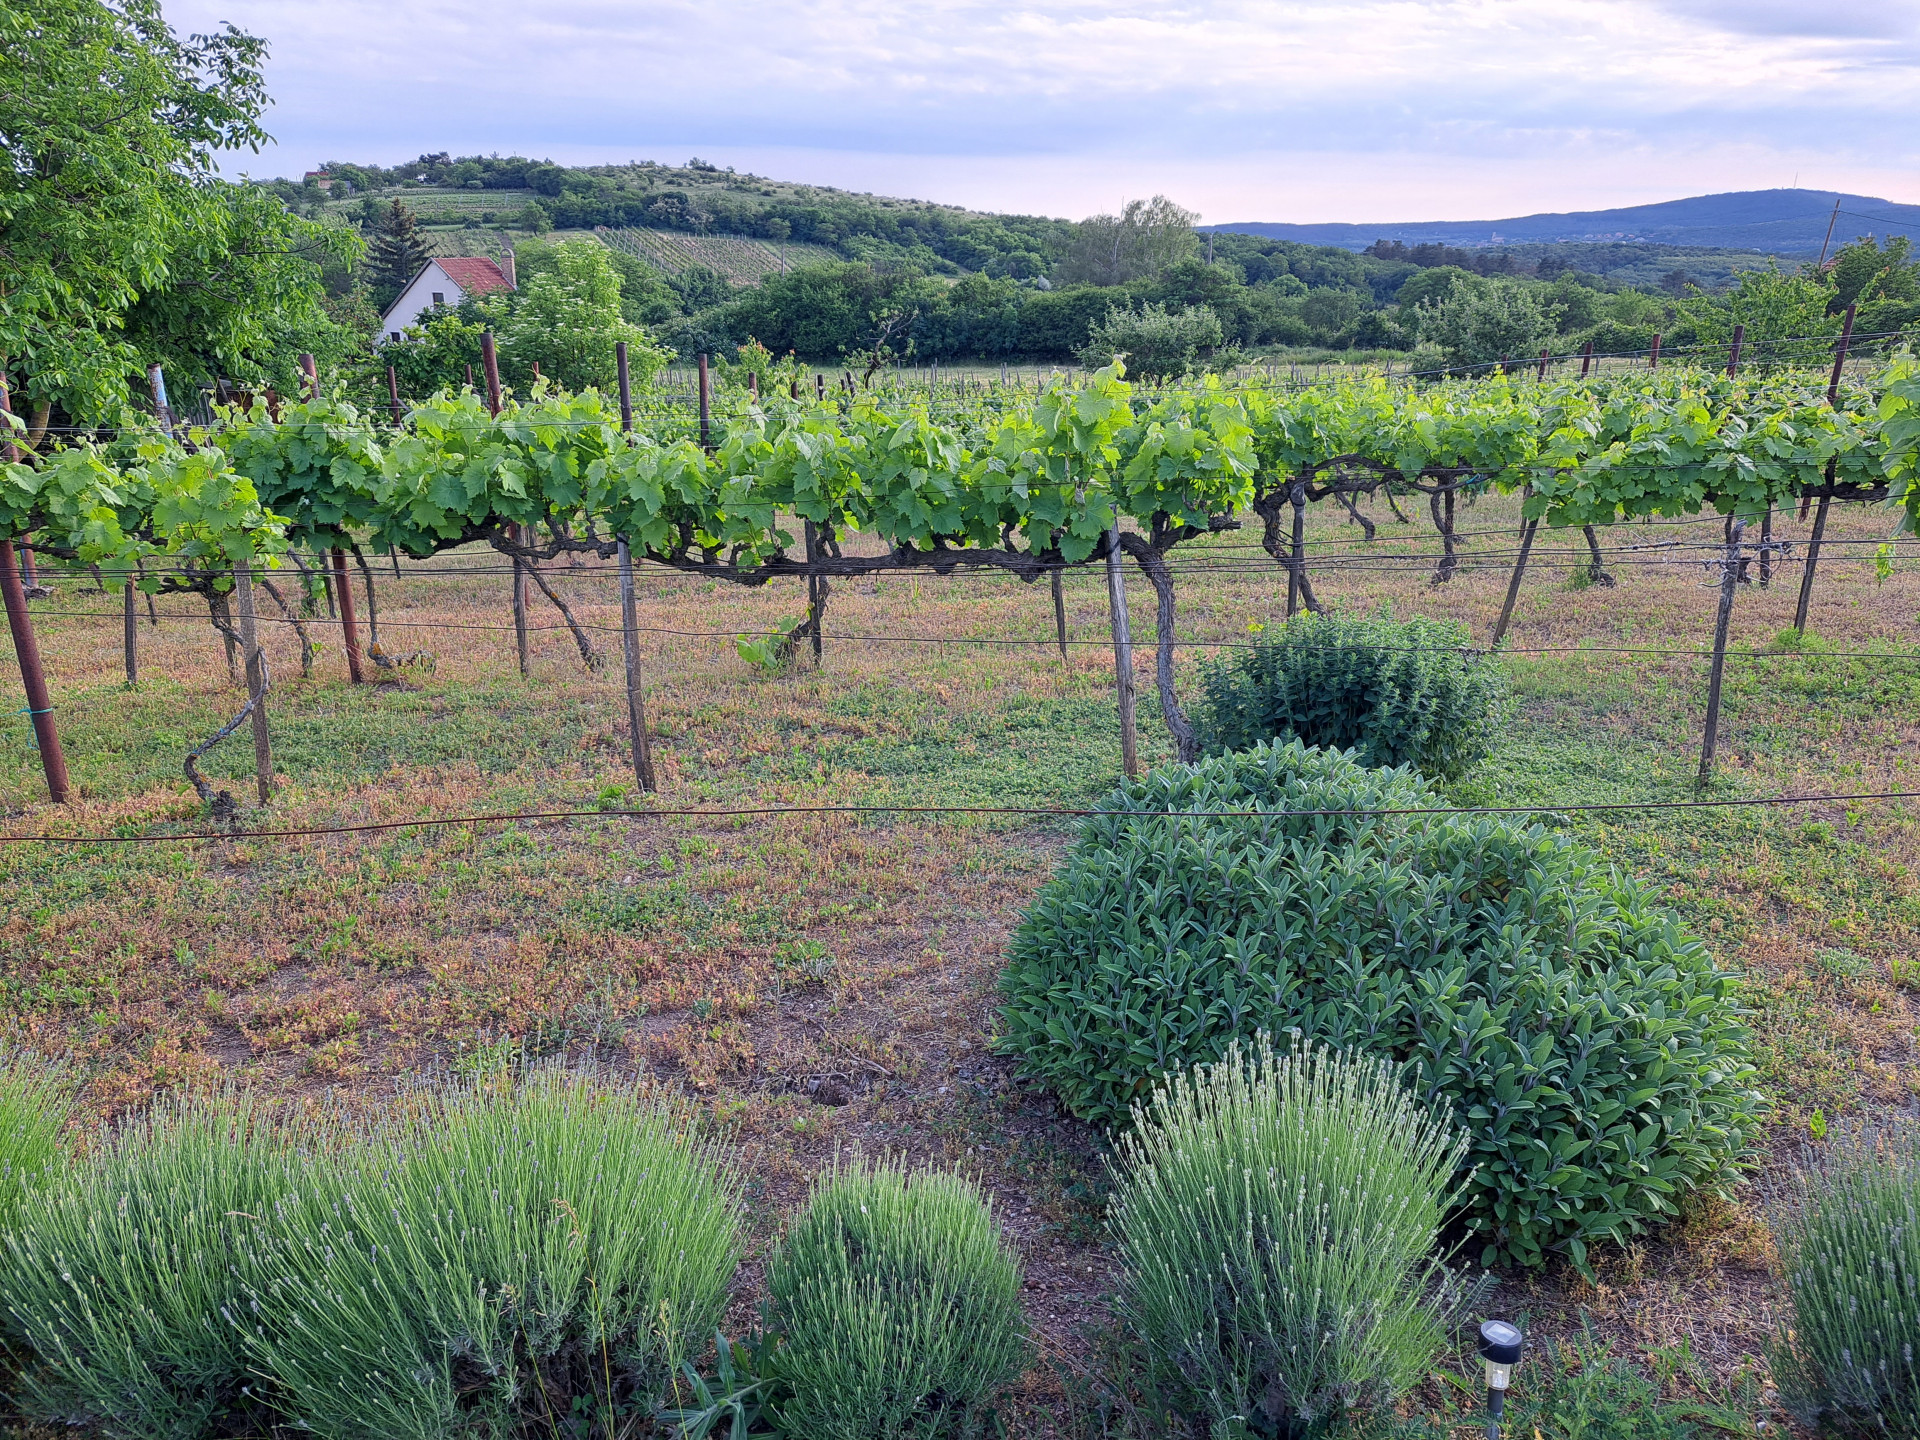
x=121, y=1276
x=897, y=1307
x=1277, y=1219
x=1584, y=1039
x=515, y=1257
x=1396, y=692
x=1847, y=1227
x=33, y=1108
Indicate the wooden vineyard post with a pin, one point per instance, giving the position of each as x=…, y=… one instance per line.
x=1826, y=496
x=312, y=373
x=1122, y=652
x=343, y=592
x=393, y=396
x=706, y=407
x=1059, y=614
x=629, y=622
x=519, y=533
x=1586, y=360
x=130, y=624
x=1653, y=355
x=26, y=648
x=636, y=703
x=1733, y=352
x=490, y=361
x=626, y=386
x=1298, y=590
x=1527, y=532
x=256, y=682
x=1543, y=364
x=1729, y=579
x=814, y=607
x=39, y=706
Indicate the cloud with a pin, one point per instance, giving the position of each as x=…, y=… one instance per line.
x=1450, y=106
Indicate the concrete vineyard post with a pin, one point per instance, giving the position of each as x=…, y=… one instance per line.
x=343, y=592
x=26, y=648
x=1122, y=652
x=157, y=387
x=1826, y=493
x=256, y=682
x=1729, y=580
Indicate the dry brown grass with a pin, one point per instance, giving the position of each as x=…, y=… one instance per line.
x=820, y=981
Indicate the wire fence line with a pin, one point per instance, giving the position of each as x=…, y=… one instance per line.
x=1053, y=642
x=1031, y=811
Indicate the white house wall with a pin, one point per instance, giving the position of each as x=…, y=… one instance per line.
x=418, y=298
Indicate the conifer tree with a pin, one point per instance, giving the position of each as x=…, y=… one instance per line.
x=397, y=253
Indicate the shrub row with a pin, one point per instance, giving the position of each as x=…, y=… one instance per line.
x=1586, y=1041
x=539, y=1257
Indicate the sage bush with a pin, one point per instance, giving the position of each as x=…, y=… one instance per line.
x=1591, y=1048
x=1396, y=692
x=1277, y=1220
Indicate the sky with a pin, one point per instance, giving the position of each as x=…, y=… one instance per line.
x=1291, y=110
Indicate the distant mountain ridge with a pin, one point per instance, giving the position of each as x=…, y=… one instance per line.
x=1779, y=222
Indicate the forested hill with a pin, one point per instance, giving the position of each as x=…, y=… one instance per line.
x=708, y=259
x=1782, y=222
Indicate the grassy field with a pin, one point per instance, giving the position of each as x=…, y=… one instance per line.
x=816, y=981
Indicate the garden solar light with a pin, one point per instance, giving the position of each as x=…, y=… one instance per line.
x=1500, y=1349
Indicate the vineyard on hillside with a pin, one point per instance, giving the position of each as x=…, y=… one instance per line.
x=742, y=259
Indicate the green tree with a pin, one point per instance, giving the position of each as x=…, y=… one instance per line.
x=118, y=242
x=398, y=252
x=1142, y=240
x=1884, y=283
x=1155, y=342
x=432, y=355
x=1785, y=314
x=1482, y=325
x=701, y=286
x=568, y=320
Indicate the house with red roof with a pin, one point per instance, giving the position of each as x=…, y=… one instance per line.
x=445, y=280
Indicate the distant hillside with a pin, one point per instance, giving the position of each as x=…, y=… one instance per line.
x=1780, y=222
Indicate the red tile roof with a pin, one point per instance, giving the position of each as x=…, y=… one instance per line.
x=476, y=275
